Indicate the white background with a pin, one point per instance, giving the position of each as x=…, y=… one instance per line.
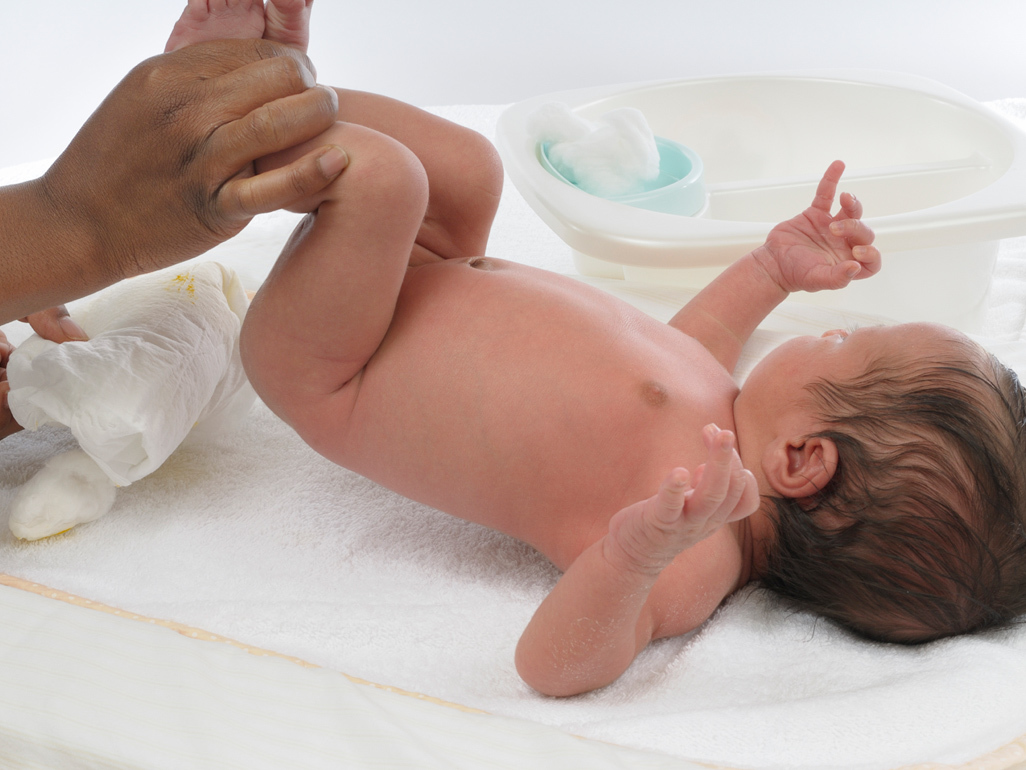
x=59, y=58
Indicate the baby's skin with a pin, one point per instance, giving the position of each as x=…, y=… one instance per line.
x=283, y=21
x=542, y=407
x=533, y=403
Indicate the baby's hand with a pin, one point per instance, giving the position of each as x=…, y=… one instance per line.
x=815, y=250
x=646, y=536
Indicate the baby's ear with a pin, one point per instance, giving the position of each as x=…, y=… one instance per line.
x=800, y=467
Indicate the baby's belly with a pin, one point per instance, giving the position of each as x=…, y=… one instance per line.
x=535, y=405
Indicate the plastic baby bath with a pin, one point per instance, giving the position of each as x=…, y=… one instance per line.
x=943, y=179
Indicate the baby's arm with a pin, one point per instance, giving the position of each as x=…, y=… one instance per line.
x=635, y=585
x=811, y=252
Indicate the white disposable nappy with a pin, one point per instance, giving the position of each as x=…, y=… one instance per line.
x=162, y=361
x=615, y=155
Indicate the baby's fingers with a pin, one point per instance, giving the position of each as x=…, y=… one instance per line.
x=827, y=187
x=854, y=231
x=851, y=207
x=672, y=494
x=869, y=260
x=748, y=500
x=741, y=497
x=722, y=484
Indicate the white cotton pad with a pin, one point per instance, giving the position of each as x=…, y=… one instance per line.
x=70, y=489
x=615, y=155
x=162, y=356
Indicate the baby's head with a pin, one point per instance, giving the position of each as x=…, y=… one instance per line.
x=900, y=511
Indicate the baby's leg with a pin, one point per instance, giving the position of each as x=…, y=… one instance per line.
x=328, y=302
x=204, y=20
x=463, y=168
x=288, y=21
x=284, y=21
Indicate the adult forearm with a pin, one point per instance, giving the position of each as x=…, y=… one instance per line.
x=48, y=253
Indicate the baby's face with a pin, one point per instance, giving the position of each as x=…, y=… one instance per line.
x=780, y=379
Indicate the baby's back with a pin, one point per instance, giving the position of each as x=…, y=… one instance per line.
x=528, y=402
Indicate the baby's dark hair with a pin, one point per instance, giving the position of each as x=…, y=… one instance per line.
x=920, y=533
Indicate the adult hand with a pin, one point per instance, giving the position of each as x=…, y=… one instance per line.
x=163, y=170
x=7, y=423
x=56, y=325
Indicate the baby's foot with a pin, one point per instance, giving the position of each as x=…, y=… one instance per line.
x=288, y=22
x=204, y=20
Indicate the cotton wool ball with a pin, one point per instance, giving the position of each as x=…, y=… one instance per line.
x=616, y=155
x=70, y=489
x=555, y=122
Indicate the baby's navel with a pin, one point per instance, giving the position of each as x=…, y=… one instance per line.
x=654, y=393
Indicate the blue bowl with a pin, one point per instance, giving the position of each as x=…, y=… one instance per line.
x=678, y=189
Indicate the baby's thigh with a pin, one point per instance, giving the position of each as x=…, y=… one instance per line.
x=463, y=169
x=326, y=306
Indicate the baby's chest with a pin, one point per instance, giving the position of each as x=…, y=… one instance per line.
x=542, y=369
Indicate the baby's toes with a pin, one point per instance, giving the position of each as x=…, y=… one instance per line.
x=205, y=20
x=288, y=22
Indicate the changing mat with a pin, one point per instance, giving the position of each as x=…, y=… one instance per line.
x=253, y=536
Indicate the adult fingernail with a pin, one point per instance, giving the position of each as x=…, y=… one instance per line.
x=333, y=161
x=72, y=330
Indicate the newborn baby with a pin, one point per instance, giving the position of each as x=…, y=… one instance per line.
x=873, y=476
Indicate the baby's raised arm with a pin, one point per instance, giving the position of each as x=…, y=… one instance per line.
x=811, y=252
x=636, y=584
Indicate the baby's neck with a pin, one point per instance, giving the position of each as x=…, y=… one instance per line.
x=754, y=536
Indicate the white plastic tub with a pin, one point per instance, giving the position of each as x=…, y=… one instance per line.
x=942, y=179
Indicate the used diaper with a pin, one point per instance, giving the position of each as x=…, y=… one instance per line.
x=162, y=362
